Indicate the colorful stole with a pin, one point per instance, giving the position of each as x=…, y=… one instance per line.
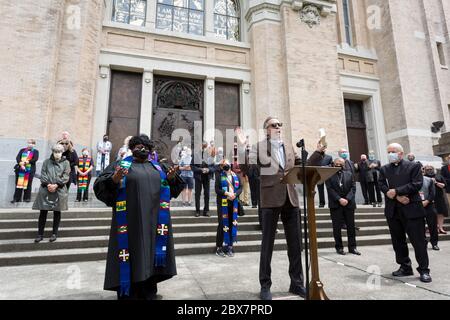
x=83, y=164
x=229, y=238
x=162, y=232
x=24, y=175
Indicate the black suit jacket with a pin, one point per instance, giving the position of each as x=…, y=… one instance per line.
x=197, y=167
x=406, y=178
x=336, y=192
x=445, y=173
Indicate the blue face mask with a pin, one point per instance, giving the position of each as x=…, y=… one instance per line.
x=393, y=157
x=371, y=158
x=345, y=156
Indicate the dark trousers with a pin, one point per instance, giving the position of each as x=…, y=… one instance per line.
x=340, y=216
x=26, y=193
x=219, y=235
x=291, y=222
x=374, y=189
x=145, y=290
x=254, y=189
x=85, y=193
x=321, y=189
x=43, y=220
x=364, y=189
x=399, y=226
x=431, y=219
x=203, y=182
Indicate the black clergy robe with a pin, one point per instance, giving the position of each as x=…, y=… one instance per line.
x=143, y=195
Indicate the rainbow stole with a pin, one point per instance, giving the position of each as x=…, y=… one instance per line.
x=24, y=175
x=162, y=231
x=83, y=164
x=229, y=238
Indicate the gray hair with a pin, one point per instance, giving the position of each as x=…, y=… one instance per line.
x=397, y=147
x=58, y=148
x=266, y=122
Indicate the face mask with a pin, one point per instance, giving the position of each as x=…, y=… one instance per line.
x=371, y=158
x=393, y=157
x=85, y=153
x=141, y=153
x=411, y=159
x=226, y=167
x=105, y=139
x=31, y=146
x=57, y=155
x=345, y=155
x=429, y=173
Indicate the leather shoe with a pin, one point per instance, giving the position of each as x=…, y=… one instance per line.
x=436, y=248
x=197, y=214
x=300, y=291
x=206, y=214
x=340, y=251
x=402, y=272
x=355, y=252
x=425, y=277
x=265, y=294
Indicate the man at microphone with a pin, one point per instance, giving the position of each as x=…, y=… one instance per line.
x=275, y=159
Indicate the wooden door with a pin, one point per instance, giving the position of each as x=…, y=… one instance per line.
x=227, y=108
x=356, y=129
x=124, y=108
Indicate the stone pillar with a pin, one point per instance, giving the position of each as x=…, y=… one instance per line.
x=209, y=119
x=246, y=104
x=209, y=19
x=146, y=103
x=100, y=123
x=309, y=36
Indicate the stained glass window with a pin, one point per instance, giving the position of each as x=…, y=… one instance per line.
x=227, y=19
x=130, y=11
x=180, y=15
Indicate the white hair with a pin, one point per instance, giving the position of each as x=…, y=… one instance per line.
x=397, y=147
x=58, y=148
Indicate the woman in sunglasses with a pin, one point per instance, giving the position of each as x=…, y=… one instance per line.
x=71, y=155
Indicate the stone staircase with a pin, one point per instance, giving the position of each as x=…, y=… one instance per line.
x=84, y=234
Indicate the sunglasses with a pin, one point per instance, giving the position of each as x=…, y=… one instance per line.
x=276, y=125
x=65, y=144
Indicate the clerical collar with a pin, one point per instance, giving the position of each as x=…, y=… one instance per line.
x=397, y=163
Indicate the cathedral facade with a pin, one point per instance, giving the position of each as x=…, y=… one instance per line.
x=370, y=72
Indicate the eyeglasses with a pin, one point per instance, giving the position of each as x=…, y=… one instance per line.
x=65, y=144
x=276, y=125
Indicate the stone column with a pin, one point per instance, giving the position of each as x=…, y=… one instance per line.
x=209, y=19
x=246, y=104
x=100, y=122
x=146, y=103
x=209, y=119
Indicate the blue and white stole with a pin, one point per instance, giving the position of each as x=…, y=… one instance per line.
x=229, y=237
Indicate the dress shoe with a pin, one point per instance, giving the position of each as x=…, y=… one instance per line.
x=206, y=214
x=53, y=238
x=38, y=239
x=254, y=207
x=321, y=206
x=340, y=251
x=380, y=205
x=436, y=248
x=265, y=294
x=425, y=277
x=374, y=205
x=355, y=252
x=197, y=214
x=220, y=253
x=300, y=291
x=27, y=201
x=402, y=272
x=344, y=227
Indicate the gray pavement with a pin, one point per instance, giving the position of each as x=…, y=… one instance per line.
x=207, y=277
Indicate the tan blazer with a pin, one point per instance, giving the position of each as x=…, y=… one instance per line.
x=272, y=192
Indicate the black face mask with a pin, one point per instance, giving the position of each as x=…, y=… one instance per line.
x=430, y=174
x=141, y=153
x=226, y=167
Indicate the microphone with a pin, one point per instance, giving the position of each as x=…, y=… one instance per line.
x=301, y=143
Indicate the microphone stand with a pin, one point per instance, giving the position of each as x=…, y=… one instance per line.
x=304, y=156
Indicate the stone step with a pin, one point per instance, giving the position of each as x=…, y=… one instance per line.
x=182, y=221
x=89, y=212
x=99, y=253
